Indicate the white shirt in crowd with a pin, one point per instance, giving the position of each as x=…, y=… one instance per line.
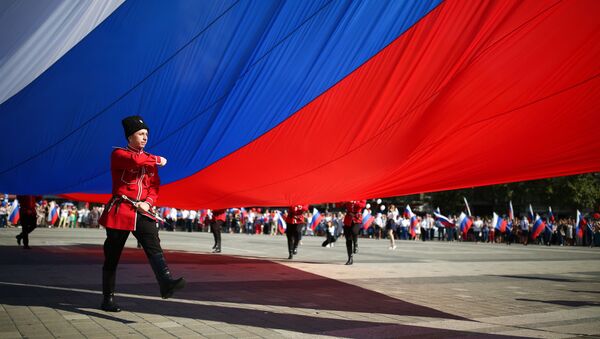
x=173, y=214
x=524, y=224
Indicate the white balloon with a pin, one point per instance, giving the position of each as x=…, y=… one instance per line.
x=378, y=201
x=382, y=207
x=368, y=206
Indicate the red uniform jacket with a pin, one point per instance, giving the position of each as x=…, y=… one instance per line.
x=353, y=212
x=134, y=174
x=296, y=214
x=27, y=204
x=219, y=215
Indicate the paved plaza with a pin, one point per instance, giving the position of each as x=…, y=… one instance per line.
x=421, y=289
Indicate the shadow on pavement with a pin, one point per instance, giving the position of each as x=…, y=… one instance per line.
x=570, y=303
x=528, y=277
x=212, y=278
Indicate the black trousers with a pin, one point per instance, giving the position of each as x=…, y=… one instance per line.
x=351, y=235
x=215, y=228
x=292, y=232
x=146, y=232
x=330, y=239
x=28, y=224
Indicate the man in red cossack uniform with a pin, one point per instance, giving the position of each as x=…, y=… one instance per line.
x=216, y=226
x=28, y=216
x=295, y=221
x=135, y=190
x=352, y=224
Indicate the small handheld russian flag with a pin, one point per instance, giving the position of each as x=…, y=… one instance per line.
x=14, y=216
x=531, y=214
x=465, y=223
x=367, y=219
x=53, y=215
x=550, y=215
x=538, y=226
x=413, y=220
x=467, y=205
x=499, y=223
x=442, y=219
x=579, y=224
x=315, y=220
x=281, y=225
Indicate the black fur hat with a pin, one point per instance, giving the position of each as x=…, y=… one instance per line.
x=133, y=124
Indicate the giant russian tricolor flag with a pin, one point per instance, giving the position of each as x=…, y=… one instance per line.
x=315, y=219
x=499, y=223
x=538, y=227
x=14, y=216
x=228, y=85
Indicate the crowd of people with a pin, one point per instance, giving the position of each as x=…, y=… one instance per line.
x=391, y=224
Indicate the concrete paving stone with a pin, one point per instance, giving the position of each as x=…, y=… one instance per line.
x=218, y=336
x=167, y=324
x=590, y=329
x=69, y=336
x=534, y=334
x=101, y=336
x=64, y=333
x=37, y=334
x=182, y=332
x=10, y=334
x=132, y=336
x=119, y=333
x=61, y=323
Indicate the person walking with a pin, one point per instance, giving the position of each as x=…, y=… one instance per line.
x=28, y=217
x=295, y=222
x=216, y=226
x=352, y=224
x=390, y=226
x=135, y=184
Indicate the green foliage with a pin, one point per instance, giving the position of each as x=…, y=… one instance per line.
x=563, y=194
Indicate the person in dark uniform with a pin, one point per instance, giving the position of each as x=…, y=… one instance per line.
x=295, y=222
x=216, y=226
x=28, y=216
x=352, y=224
x=135, y=189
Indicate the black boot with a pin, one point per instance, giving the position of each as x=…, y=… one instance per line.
x=19, y=237
x=167, y=285
x=291, y=256
x=108, y=291
x=349, y=250
x=355, y=247
x=217, y=248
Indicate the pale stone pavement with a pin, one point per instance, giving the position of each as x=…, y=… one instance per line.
x=421, y=289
